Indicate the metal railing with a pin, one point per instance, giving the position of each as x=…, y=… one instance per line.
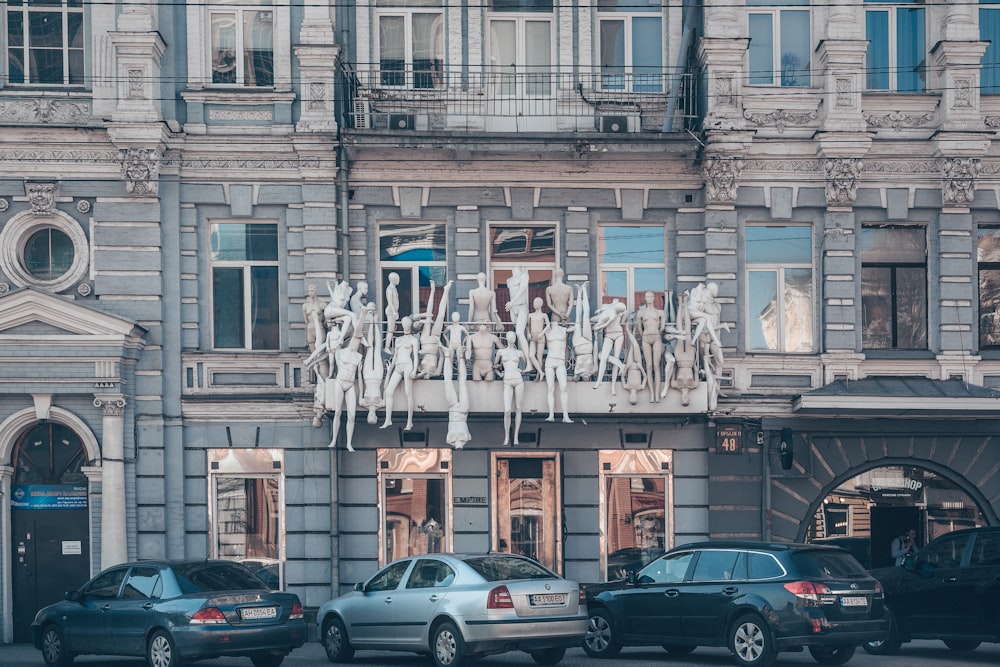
x=434, y=98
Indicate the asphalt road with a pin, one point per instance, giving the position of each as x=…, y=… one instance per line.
x=915, y=654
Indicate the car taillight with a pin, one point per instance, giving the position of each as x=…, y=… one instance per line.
x=879, y=593
x=208, y=615
x=807, y=590
x=583, y=597
x=499, y=598
x=296, y=610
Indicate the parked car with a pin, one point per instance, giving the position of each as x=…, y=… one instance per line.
x=456, y=608
x=623, y=561
x=172, y=612
x=949, y=592
x=756, y=599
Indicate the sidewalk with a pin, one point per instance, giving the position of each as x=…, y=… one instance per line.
x=25, y=655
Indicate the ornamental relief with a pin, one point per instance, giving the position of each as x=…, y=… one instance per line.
x=897, y=120
x=781, y=118
x=44, y=111
x=842, y=180
x=721, y=175
x=140, y=169
x=960, y=176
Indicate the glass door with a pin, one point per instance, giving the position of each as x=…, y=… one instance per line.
x=526, y=507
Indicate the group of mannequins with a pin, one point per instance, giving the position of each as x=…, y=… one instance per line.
x=651, y=349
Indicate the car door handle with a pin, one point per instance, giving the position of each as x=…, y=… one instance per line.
x=951, y=580
x=671, y=592
x=388, y=600
x=730, y=590
x=435, y=598
x=147, y=606
x=106, y=607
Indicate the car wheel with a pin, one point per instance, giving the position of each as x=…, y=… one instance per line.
x=890, y=645
x=335, y=641
x=54, y=648
x=831, y=655
x=962, y=644
x=601, y=640
x=446, y=646
x=161, y=652
x=549, y=656
x=266, y=660
x=678, y=649
x=750, y=642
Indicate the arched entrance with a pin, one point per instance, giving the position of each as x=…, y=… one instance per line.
x=865, y=508
x=50, y=521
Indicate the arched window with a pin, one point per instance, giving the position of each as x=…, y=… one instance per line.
x=49, y=453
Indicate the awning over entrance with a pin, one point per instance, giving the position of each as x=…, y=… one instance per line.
x=899, y=396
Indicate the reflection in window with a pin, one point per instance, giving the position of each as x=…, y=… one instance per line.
x=631, y=263
x=242, y=45
x=417, y=254
x=989, y=31
x=248, y=518
x=780, y=44
x=894, y=288
x=48, y=254
x=636, y=522
x=988, y=257
x=45, y=42
x=780, y=288
x=415, y=516
x=531, y=246
x=49, y=453
x=896, y=58
x=631, y=46
x=245, y=286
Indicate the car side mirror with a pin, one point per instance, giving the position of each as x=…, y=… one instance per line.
x=630, y=576
x=74, y=596
x=360, y=587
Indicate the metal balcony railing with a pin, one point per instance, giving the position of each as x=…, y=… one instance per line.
x=434, y=98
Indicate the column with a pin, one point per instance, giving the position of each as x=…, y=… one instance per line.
x=114, y=547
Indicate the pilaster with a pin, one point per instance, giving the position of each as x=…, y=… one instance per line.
x=114, y=533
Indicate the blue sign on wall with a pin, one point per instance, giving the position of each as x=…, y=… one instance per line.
x=48, y=497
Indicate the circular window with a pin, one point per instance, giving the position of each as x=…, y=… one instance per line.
x=48, y=254
x=44, y=251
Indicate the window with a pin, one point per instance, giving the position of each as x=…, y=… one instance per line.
x=45, y=42
x=944, y=552
x=245, y=286
x=631, y=263
x=389, y=578
x=631, y=34
x=530, y=246
x=48, y=251
x=780, y=43
x=666, y=570
x=897, y=53
x=48, y=254
x=989, y=31
x=241, y=42
x=986, y=551
x=411, y=43
x=430, y=574
x=414, y=490
x=764, y=566
x=894, y=288
x=521, y=47
x=779, y=288
x=715, y=565
x=988, y=256
x=417, y=254
x=105, y=586
x=143, y=584
x=246, y=509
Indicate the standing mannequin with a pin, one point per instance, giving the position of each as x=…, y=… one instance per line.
x=650, y=323
x=359, y=299
x=479, y=347
x=538, y=323
x=344, y=387
x=609, y=319
x=511, y=360
x=559, y=297
x=518, y=304
x=483, y=303
x=402, y=367
x=456, y=335
x=391, y=309
x=555, y=369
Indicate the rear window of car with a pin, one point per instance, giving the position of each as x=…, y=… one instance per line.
x=212, y=577
x=827, y=564
x=499, y=568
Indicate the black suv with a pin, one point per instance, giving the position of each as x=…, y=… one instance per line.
x=950, y=592
x=756, y=598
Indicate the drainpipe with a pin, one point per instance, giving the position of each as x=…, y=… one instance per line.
x=675, y=93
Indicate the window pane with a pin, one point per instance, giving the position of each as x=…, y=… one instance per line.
x=614, y=285
x=764, y=314
x=989, y=31
x=258, y=56
x=786, y=244
x=893, y=244
x=46, y=29
x=46, y=66
x=630, y=245
x=264, y=307
x=628, y=5
x=647, y=55
x=223, y=48
x=798, y=315
x=795, y=48
x=48, y=254
x=761, y=49
x=911, y=308
x=249, y=518
x=502, y=54
x=534, y=243
x=538, y=57
x=428, y=45
x=715, y=565
x=243, y=242
x=877, y=61
x=876, y=308
x=392, y=50
x=415, y=516
x=227, y=306
x=636, y=523
x=522, y=5
x=910, y=52
x=613, y=55
x=648, y=280
x=412, y=243
x=15, y=28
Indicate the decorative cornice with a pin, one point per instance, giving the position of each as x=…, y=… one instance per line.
x=269, y=164
x=783, y=165
x=111, y=406
x=44, y=111
x=903, y=167
x=28, y=155
x=781, y=118
x=897, y=120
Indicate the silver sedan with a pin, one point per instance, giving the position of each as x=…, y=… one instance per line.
x=456, y=607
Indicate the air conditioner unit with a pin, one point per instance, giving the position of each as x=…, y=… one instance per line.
x=618, y=123
x=362, y=114
x=402, y=121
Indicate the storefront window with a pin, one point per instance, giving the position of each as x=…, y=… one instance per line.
x=527, y=519
x=414, y=489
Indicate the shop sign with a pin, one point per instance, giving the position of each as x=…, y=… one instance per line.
x=470, y=500
x=729, y=439
x=48, y=497
x=896, y=487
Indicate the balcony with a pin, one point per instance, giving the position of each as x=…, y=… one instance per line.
x=437, y=99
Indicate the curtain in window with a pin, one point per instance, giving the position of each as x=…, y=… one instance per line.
x=428, y=50
x=538, y=57
x=258, y=54
x=613, y=54
x=503, y=54
x=392, y=49
x=989, y=31
x=223, y=48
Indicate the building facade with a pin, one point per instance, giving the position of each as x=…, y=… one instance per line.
x=225, y=232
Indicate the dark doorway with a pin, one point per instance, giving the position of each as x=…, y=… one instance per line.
x=889, y=523
x=51, y=556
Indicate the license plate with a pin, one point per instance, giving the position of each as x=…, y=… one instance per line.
x=258, y=613
x=854, y=602
x=547, y=599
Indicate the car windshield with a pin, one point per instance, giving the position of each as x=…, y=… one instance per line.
x=827, y=564
x=211, y=577
x=504, y=568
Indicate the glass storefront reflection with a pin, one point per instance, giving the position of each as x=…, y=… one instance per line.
x=415, y=485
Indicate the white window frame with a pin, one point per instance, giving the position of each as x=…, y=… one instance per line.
x=407, y=13
x=200, y=46
x=892, y=11
x=245, y=265
x=629, y=74
x=628, y=268
x=507, y=266
x=779, y=269
x=776, y=57
x=64, y=11
x=411, y=267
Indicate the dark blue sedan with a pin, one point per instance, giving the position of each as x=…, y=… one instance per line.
x=172, y=612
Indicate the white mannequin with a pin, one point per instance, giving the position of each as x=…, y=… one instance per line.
x=391, y=309
x=559, y=297
x=609, y=319
x=479, y=347
x=555, y=368
x=344, y=387
x=511, y=360
x=373, y=371
x=585, y=357
x=650, y=324
x=402, y=367
x=483, y=303
x=538, y=324
x=517, y=306
x=458, y=404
